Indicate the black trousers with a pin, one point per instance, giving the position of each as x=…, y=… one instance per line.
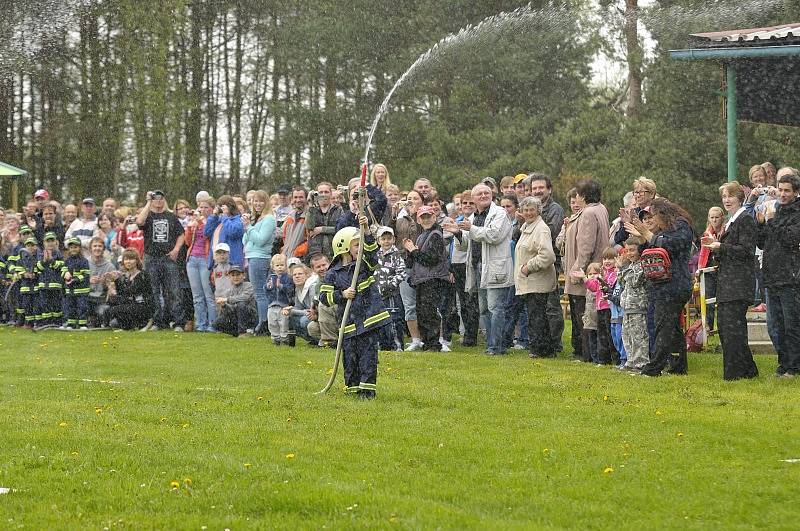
x=737, y=359
x=468, y=302
x=577, y=307
x=235, y=319
x=669, y=338
x=541, y=343
x=605, y=345
x=129, y=316
x=555, y=319
x=429, y=296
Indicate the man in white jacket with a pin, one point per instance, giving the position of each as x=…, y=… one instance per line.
x=487, y=238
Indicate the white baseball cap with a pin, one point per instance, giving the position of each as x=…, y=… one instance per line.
x=222, y=246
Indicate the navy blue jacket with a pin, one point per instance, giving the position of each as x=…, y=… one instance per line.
x=367, y=311
x=780, y=239
x=377, y=205
x=50, y=272
x=78, y=266
x=678, y=243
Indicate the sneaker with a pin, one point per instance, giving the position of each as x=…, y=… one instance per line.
x=445, y=344
x=153, y=328
x=445, y=348
x=178, y=329
x=84, y=327
x=414, y=346
x=62, y=327
x=518, y=346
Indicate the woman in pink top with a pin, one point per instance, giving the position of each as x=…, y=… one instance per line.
x=205, y=310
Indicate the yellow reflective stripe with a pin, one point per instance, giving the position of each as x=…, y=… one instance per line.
x=349, y=328
x=80, y=291
x=367, y=386
x=375, y=318
x=331, y=302
x=366, y=284
x=351, y=389
x=326, y=287
x=370, y=246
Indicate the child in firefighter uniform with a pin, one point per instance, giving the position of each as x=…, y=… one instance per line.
x=367, y=313
x=76, y=275
x=28, y=306
x=50, y=282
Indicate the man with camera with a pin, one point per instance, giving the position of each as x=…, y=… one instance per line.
x=321, y=220
x=163, y=239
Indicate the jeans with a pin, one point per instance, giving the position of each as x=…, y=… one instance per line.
x=492, y=303
x=258, y=269
x=783, y=308
x=205, y=310
x=164, y=280
x=299, y=323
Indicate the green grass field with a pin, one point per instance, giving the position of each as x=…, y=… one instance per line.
x=190, y=431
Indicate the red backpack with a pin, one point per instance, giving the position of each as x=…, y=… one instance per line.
x=656, y=264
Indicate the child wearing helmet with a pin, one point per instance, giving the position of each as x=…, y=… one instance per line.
x=367, y=313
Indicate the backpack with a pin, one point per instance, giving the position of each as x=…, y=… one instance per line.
x=656, y=264
x=695, y=337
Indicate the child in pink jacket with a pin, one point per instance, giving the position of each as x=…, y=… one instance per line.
x=601, y=283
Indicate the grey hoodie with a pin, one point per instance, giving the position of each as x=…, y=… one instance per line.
x=96, y=270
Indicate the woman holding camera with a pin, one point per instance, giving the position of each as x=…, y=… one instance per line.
x=259, y=235
x=199, y=246
x=225, y=226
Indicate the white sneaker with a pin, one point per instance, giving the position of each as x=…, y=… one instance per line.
x=178, y=329
x=445, y=345
x=153, y=328
x=146, y=327
x=62, y=327
x=518, y=346
x=84, y=328
x=414, y=346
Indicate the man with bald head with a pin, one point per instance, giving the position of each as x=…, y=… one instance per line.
x=486, y=236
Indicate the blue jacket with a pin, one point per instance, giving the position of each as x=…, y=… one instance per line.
x=377, y=205
x=678, y=243
x=279, y=296
x=367, y=311
x=50, y=272
x=78, y=266
x=231, y=233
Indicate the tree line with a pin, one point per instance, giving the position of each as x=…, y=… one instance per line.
x=124, y=96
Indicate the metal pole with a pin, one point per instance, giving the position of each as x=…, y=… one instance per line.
x=730, y=84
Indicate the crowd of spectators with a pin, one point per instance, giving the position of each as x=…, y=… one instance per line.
x=490, y=261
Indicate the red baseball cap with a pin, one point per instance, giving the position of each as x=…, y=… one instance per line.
x=424, y=209
x=41, y=193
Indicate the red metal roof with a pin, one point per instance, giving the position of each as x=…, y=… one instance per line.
x=774, y=34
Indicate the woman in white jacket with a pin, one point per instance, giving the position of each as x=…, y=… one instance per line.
x=535, y=275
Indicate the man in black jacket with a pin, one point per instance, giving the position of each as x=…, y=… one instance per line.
x=779, y=237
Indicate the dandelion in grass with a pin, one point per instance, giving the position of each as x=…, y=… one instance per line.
x=679, y=434
x=605, y=398
x=62, y=424
x=248, y=465
x=289, y=456
x=608, y=470
x=174, y=485
x=260, y=398
x=546, y=452
x=187, y=482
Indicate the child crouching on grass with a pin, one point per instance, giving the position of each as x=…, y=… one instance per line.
x=367, y=314
x=237, y=315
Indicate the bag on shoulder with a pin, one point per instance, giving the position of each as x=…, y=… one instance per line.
x=656, y=264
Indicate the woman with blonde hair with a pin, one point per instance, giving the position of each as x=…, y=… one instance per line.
x=259, y=235
x=707, y=259
x=379, y=177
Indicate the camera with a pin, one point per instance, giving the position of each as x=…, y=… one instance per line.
x=150, y=195
x=313, y=198
x=402, y=204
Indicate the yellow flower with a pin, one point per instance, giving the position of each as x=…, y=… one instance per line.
x=680, y=434
x=658, y=412
x=605, y=398
x=174, y=485
x=163, y=419
x=62, y=424
x=260, y=398
x=289, y=456
x=546, y=451
x=98, y=410
x=248, y=465
x=185, y=425
x=608, y=470
x=187, y=482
